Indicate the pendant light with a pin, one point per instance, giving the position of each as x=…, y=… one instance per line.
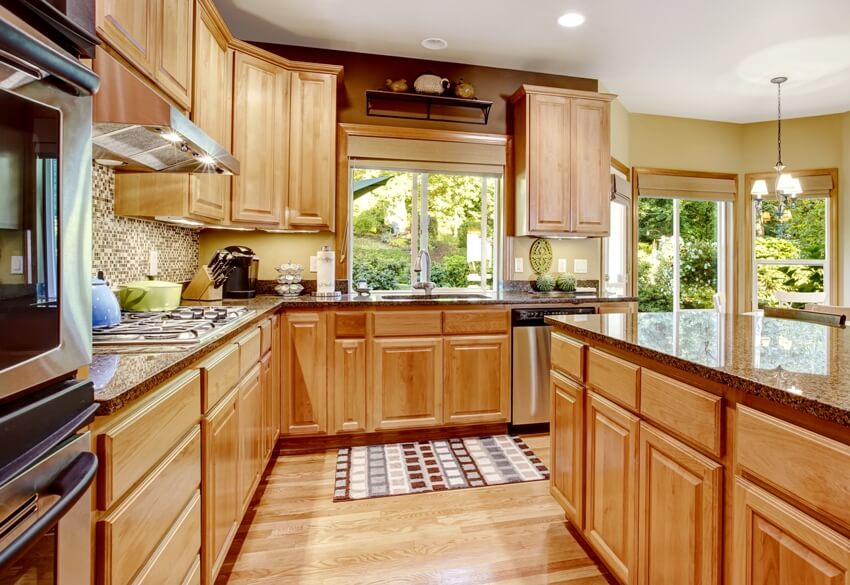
x=787, y=187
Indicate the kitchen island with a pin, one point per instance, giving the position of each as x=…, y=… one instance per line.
x=701, y=447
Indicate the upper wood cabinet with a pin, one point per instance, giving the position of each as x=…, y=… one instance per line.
x=155, y=36
x=312, y=163
x=260, y=140
x=477, y=379
x=561, y=161
x=212, y=111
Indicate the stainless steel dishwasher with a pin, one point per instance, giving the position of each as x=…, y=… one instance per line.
x=531, y=354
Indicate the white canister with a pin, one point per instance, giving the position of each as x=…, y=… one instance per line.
x=325, y=273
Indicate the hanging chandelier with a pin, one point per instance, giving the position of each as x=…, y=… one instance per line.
x=787, y=187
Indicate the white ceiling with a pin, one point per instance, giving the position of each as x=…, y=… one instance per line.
x=709, y=59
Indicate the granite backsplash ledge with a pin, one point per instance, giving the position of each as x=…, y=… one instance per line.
x=121, y=246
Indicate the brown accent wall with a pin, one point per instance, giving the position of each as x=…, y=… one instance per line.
x=365, y=71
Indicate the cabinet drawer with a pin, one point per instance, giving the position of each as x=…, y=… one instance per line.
x=471, y=322
x=249, y=351
x=613, y=377
x=803, y=464
x=219, y=375
x=568, y=356
x=128, y=536
x=179, y=549
x=350, y=324
x=687, y=411
x=130, y=448
x=265, y=336
x=407, y=323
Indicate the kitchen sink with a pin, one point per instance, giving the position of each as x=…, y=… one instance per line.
x=434, y=297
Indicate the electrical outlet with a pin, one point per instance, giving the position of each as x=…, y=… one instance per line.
x=314, y=264
x=518, y=267
x=17, y=266
x=562, y=264
x=580, y=266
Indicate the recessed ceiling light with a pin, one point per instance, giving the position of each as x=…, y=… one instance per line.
x=571, y=20
x=110, y=162
x=435, y=43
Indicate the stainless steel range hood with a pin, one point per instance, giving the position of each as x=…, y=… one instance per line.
x=136, y=126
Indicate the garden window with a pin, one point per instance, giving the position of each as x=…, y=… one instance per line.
x=399, y=209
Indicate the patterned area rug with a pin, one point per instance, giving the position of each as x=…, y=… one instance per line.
x=413, y=468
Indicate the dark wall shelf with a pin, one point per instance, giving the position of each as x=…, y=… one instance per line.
x=417, y=106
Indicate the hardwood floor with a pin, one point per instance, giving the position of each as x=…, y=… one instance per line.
x=295, y=534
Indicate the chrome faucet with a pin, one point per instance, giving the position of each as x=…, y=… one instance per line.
x=424, y=272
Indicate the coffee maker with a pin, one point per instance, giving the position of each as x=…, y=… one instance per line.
x=242, y=281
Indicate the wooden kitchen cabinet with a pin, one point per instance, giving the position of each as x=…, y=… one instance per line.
x=349, y=386
x=222, y=501
x=680, y=513
x=407, y=382
x=304, y=372
x=212, y=111
x=567, y=447
x=156, y=37
x=477, y=379
x=312, y=154
x=250, y=436
x=561, y=161
x=260, y=140
x=611, y=488
x=776, y=544
x=269, y=436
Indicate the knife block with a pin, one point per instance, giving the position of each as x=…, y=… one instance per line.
x=202, y=287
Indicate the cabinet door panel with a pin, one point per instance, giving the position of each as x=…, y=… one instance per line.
x=129, y=28
x=776, y=544
x=221, y=497
x=260, y=140
x=549, y=164
x=268, y=440
x=349, y=389
x=679, y=513
x=250, y=436
x=590, y=156
x=408, y=386
x=175, y=22
x=610, y=514
x=304, y=371
x=312, y=167
x=477, y=378
x=567, y=446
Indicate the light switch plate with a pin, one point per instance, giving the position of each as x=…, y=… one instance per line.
x=580, y=266
x=314, y=264
x=562, y=264
x=518, y=267
x=17, y=266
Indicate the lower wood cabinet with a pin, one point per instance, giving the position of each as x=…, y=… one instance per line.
x=268, y=434
x=566, y=433
x=776, y=544
x=407, y=382
x=349, y=386
x=304, y=371
x=250, y=436
x=477, y=379
x=220, y=490
x=680, y=513
x=611, y=489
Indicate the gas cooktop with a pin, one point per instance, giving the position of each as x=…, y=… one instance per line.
x=182, y=326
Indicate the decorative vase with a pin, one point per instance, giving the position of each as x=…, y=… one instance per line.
x=431, y=84
x=397, y=86
x=464, y=89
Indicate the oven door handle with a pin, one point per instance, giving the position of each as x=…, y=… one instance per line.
x=66, y=73
x=69, y=485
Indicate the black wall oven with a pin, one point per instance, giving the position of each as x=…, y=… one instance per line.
x=46, y=463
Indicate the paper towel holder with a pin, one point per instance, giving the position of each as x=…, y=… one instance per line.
x=325, y=277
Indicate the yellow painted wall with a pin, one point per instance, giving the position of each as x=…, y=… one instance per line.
x=273, y=249
x=570, y=250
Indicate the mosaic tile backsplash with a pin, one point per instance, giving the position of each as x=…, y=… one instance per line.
x=121, y=246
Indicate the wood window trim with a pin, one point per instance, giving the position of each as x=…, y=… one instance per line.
x=732, y=298
x=745, y=234
x=346, y=131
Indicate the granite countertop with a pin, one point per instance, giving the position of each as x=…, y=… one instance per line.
x=123, y=374
x=802, y=365
x=513, y=297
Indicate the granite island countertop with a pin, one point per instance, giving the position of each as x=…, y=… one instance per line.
x=122, y=374
x=801, y=365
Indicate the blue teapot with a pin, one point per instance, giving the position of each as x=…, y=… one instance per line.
x=105, y=310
